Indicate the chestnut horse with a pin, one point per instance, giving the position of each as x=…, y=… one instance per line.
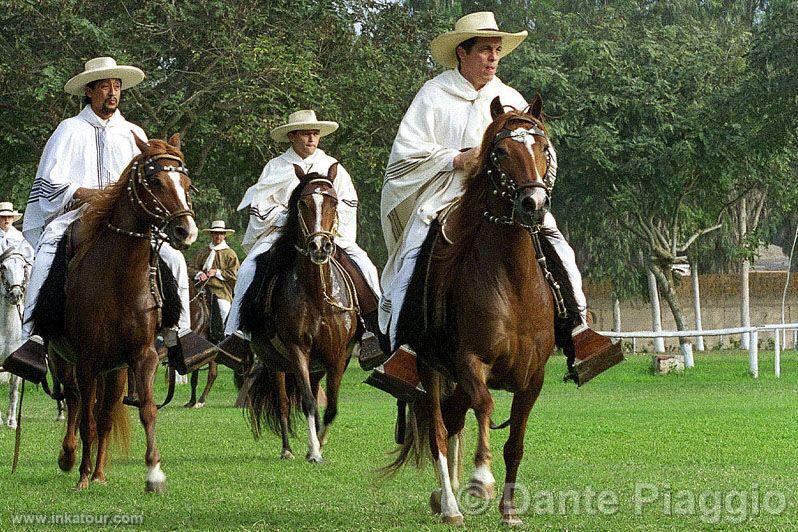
x=111, y=305
x=479, y=312
x=303, y=318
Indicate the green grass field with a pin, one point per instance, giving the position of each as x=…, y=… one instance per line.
x=709, y=448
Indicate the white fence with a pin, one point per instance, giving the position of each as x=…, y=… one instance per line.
x=753, y=343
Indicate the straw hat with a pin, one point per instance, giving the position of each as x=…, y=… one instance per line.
x=103, y=68
x=301, y=120
x=480, y=24
x=7, y=209
x=217, y=226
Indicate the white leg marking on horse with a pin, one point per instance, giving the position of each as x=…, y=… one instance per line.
x=155, y=475
x=454, y=462
x=448, y=501
x=11, y=419
x=483, y=475
x=314, y=447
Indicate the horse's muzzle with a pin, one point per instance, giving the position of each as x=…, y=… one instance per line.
x=181, y=232
x=320, y=249
x=16, y=295
x=532, y=204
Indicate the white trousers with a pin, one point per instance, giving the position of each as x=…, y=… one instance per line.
x=45, y=253
x=224, y=308
x=394, y=296
x=246, y=273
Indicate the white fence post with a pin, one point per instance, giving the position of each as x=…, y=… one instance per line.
x=777, y=348
x=753, y=353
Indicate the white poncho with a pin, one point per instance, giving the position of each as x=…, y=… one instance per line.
x=448, y=114
x=83, y=152
x=268, y=198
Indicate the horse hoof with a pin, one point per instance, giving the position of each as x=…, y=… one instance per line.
x=189, y=405
x=99, y=480
x=286, y=455
x=314, y=459
x=12, y=424
x=65, y=463
x=199, y=405
x=155, y=486
x=60, y=417
x=482, y=491
x=435, y=501
x=456, y=520
x=82, y=484
x=511, y=520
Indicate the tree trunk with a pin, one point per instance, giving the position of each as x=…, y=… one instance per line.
x=697, y=303
x=665, y=280
x=745, y=301
x=656, y=318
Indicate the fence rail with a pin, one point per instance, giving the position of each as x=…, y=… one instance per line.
x=753, y=343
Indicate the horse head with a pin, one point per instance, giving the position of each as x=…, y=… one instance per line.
x=318, y=214
x=159, y=187
x=14, y=274
x=519, y=162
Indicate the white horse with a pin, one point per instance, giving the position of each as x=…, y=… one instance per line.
x=14, y=275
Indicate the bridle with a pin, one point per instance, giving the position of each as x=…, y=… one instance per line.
x=142, y=176
x=328, y=236
x=7, y=286
x=308, y=235
x=503, y=185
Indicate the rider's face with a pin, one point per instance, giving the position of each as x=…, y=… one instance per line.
x=5, y=222
x=218, y=238
x=479, y=66
x=105, y=97
x=304, y=141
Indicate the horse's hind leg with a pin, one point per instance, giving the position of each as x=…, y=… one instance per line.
x=514, y=448
x=438, y=443
x=285, y=411
x=213, y=371
x=13, y=400
x=87, y=383
x=194, y=381
x=66, y=459
x=112, y=391
x=145, y=365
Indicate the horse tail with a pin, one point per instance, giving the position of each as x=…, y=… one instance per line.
x=263, y=400
x=415, y=448
x=120, y=429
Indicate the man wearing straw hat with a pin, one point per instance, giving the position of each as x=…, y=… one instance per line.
x=267, y=202
x=217, y=266
x=86, y=153
x=10, y=236
x=438, y=137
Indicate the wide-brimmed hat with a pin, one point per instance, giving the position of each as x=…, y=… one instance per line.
x=103, y=68
x=7, y=209
x=218, y=226
x=302, y=120
x=480, y=24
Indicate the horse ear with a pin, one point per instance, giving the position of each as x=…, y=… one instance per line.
x=332, y=172
x=174, y=140
x=300, y=173
x=536, y=107
x=140, y=143
x=496, y=108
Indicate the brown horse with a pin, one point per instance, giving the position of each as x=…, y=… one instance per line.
x=479, y=312
x=206, y=322
x=101, y=312
x=302, y=314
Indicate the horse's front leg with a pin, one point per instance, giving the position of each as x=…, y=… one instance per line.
x=87, y=384
x=472, y=379
x=13, y=401
x=443, y=498
x=514, y=448
x=194, y=381
x=145, y=365
x=65, y=373
x=334, y=377
x=212, y=373
x=309, y=407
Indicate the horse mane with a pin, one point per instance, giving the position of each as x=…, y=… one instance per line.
x=463, y=227
x=278, y=261
x=101, y=205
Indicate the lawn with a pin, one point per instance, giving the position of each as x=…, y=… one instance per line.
x=712, y=447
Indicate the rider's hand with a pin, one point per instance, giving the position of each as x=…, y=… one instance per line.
x=202, y=277
x=212, y=272
x=465, y=158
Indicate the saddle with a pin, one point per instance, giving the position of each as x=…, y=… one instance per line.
x=366, y=300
